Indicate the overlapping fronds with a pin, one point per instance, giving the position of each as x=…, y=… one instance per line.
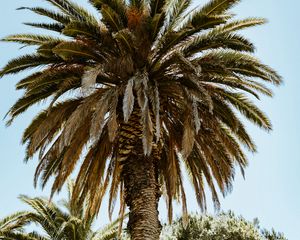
x=157, y=72
x=70, y=222
x=26, y=62
x=73, y=10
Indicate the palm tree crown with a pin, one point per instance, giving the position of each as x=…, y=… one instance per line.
x=149, y=73
x=71, y=223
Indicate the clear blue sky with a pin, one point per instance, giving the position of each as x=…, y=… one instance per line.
x=271, y=190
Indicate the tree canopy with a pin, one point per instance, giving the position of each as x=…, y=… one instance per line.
x=221, y=227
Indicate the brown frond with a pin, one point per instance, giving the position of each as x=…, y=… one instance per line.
x=188, y=137
x=147, y=129
x=128, y=100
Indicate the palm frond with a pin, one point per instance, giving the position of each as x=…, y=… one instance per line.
x=57, y=27
x=73, y=10
x=243, y=104
x=61, y=18
x=16, y=221
x=26, y=62
x=78, y=28
x=19, y=236
x=111, y=18
x=118, y=6
x=176, y=9
x=30, y=39
x=128, y=101
x=211, y=41
x=157, y=7
x=238, y=25
x=76, y=50
x=241, y=63
x=218, y=7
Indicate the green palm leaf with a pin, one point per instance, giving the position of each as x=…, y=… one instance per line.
x=30, y=39
x=26, y=62
x=57, y=27
x=217, y=7
x=76, y=50
x=61, y=18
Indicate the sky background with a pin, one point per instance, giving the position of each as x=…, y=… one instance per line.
x=271, y=190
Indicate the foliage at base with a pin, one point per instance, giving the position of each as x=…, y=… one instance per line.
x=225, y=226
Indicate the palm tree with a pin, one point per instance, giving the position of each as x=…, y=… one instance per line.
x=56, y=223
x=144, y=86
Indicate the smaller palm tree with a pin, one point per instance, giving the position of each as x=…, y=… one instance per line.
x=55, y=222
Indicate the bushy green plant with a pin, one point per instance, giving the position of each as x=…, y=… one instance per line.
x=225, y=226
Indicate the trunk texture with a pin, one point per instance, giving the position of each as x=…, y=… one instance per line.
x=140, y=177
x=141, y=196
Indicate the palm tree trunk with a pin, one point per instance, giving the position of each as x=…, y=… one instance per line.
x=140, y=177
x=142, y=194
